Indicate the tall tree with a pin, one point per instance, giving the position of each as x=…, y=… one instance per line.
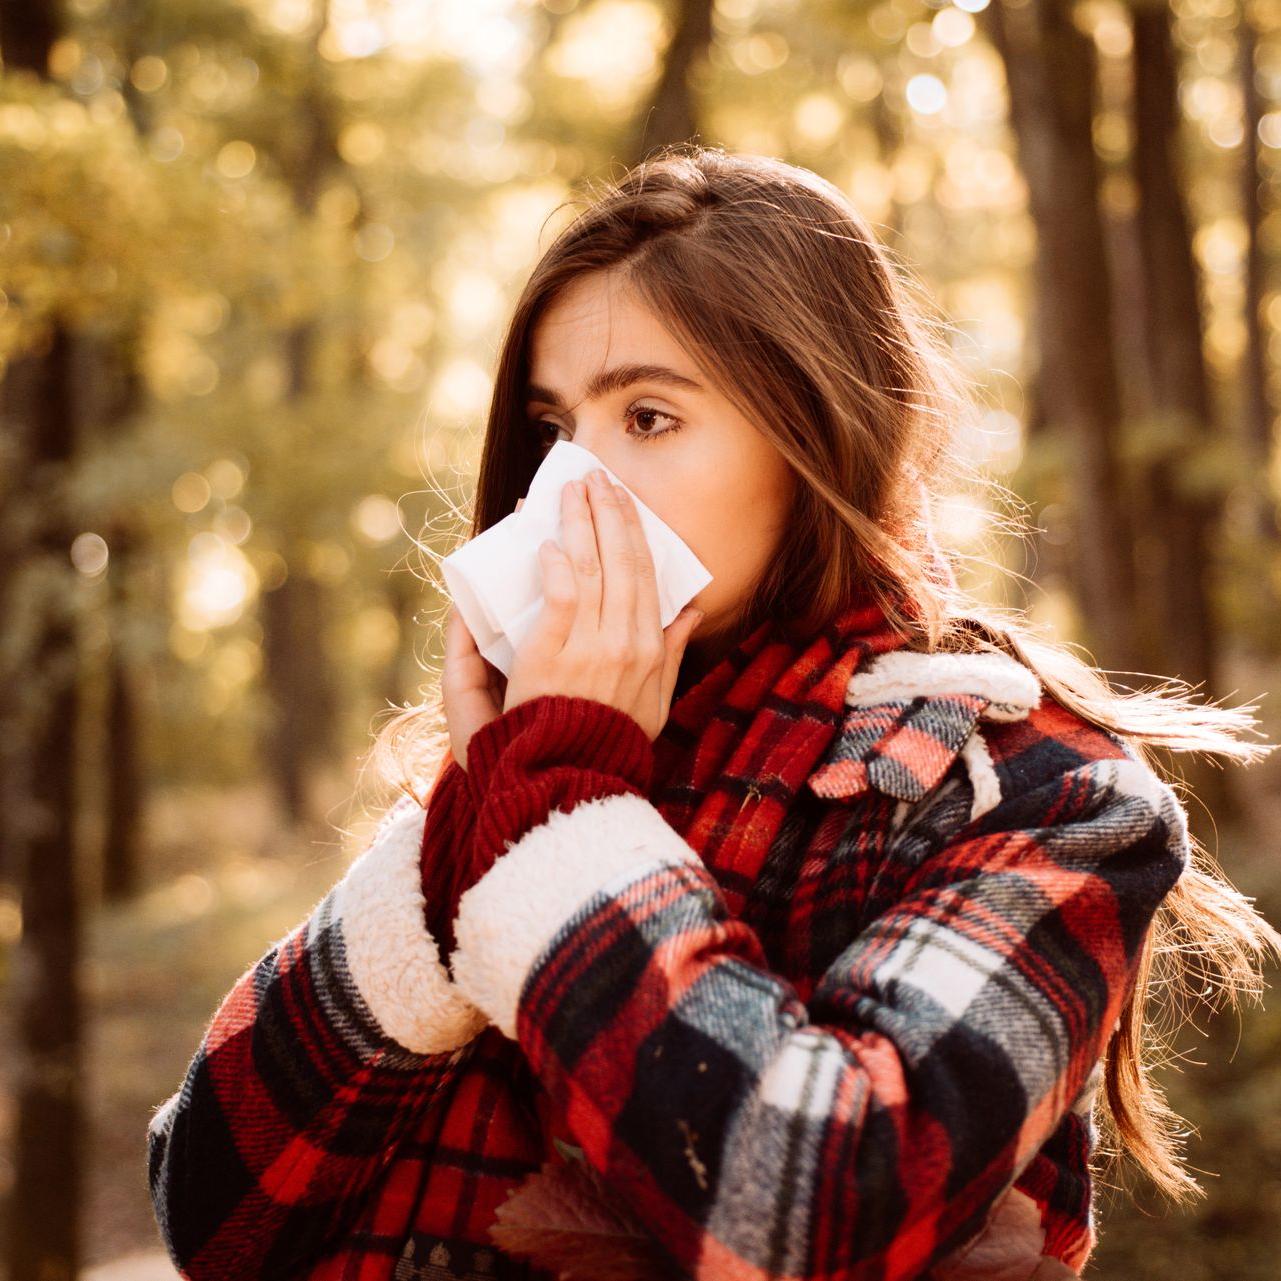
x=43, y=1240
x=118, y=356
x=1186, y=523
x=1256, y=410
x=671, y=115
x=301, y=695
x=124, y=778
x=1050, y=74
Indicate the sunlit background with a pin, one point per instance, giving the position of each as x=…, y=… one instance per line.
x=256, y=257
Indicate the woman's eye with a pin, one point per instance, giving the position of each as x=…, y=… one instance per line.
x=545, y=431
x=645, y=416
x=651, y=424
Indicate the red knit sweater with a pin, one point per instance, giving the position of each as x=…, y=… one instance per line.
x=512, y=782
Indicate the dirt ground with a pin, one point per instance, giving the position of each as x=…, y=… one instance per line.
x=226, y=881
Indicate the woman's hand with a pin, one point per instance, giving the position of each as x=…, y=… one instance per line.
x=598, y=635
x=472, y=688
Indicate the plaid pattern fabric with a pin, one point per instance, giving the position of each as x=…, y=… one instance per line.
x=901, y=748
x=830, y=1002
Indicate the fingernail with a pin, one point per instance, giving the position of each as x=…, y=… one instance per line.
x=597, y=477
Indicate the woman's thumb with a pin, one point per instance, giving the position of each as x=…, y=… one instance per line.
x=688, y=619
x=675, y=639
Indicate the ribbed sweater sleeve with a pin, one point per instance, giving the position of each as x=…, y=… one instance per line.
x=549, y=753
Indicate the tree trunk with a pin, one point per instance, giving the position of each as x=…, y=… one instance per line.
x=1049, y=67
x=671, y=115
x=285, y=746
x=1256, y=412
x=1187, y=526
x=300, y=690
x=123, y=783
x=44, y=1206
x=28, y=29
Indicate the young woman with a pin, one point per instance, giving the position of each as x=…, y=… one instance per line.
x=808, y=938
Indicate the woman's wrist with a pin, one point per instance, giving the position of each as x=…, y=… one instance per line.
x=563, y=730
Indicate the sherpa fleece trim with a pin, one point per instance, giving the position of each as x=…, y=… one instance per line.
x=906, y=674
x=513, y=911
x=390, y=954
x=982, y=771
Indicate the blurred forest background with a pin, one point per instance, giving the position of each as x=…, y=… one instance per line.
x=255, y=257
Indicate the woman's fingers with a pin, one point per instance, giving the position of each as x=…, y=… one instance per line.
x=467, y=685
x=599, y=633
x=561, y=599
x=465, y=666
x=579, y=541
x=618, y=561
x=460, y=645
x=648, y=613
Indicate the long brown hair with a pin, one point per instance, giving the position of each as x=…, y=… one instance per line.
x=828, y=345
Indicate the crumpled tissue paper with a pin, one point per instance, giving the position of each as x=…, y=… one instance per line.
x=495, y=579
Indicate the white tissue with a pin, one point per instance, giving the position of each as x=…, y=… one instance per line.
x=495, y=579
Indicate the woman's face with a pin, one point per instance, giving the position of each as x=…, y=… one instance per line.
x=605, y=374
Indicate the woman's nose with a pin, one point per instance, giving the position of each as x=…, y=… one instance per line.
x=602, y=440
x=605, y=457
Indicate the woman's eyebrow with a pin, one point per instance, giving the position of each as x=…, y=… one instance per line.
x=616, y=379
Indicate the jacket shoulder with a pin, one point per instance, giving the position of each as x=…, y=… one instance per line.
x=912, y=716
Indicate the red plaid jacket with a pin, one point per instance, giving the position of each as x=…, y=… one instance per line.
x=880, y=1063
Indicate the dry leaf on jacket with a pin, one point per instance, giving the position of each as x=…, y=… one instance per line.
x=564, y=1219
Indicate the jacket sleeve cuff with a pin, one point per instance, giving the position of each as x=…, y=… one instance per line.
x=376, y=945
x=519, y=906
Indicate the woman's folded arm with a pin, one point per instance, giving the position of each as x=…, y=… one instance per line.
x=315, y=1065
x=866, y=1135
